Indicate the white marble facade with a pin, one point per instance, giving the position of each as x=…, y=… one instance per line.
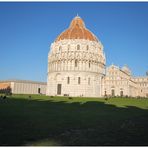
x=118, y=82
x=77, y=67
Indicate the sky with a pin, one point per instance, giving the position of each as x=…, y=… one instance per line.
x=28, y=28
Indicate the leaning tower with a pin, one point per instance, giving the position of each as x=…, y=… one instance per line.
x=76, y=63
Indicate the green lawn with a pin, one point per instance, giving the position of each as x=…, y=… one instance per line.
x=59, y=121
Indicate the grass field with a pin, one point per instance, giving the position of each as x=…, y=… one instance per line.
x=59, y=121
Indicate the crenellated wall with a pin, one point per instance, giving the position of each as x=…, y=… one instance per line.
x=142, y=83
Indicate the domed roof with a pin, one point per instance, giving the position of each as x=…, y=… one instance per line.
x=77, y=30
x=126, y=69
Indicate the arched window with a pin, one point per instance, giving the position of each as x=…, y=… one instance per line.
x=87, y=47
x=88, y=81
x=76, y=63
x=78, y=47
x=79, y=80
x=60, y=48
x=68, y=80
x=113, y=92
x=89, y=64
x=68, y=47
x=121, y=93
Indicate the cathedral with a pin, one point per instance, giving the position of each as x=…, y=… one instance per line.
x=77, y=68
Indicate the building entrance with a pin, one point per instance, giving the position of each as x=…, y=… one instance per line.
x=59, y=88
x=113, y=92
x=121, y=93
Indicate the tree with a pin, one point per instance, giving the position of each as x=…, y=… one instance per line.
x=147, y=73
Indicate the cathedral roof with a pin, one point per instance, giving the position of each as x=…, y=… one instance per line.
x=77, y=30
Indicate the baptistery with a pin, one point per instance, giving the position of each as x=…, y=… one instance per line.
x=76, y=63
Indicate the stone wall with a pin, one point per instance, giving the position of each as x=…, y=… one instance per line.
x=74, y=84
x=142, y=83
x=28, y=88
x=76, y=59
x=24, y=87
x=120, y=82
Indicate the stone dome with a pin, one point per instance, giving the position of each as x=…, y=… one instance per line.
x=77, y=30
x=126, y=69
x=76, y=63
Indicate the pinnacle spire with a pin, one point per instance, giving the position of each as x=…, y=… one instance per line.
x=77, y=16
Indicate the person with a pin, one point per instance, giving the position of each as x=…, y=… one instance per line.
x=4, y=97
x=106, y=98
x=69, y=97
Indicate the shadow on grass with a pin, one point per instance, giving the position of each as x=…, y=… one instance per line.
x=35, y=122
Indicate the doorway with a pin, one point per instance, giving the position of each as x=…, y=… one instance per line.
x=59, y=88
x=113, y=92
x=121, y=93
x=39, y=90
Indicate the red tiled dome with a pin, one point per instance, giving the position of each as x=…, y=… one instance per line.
x=77, y=30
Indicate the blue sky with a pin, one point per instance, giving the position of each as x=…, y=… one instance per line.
x=28, y=29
